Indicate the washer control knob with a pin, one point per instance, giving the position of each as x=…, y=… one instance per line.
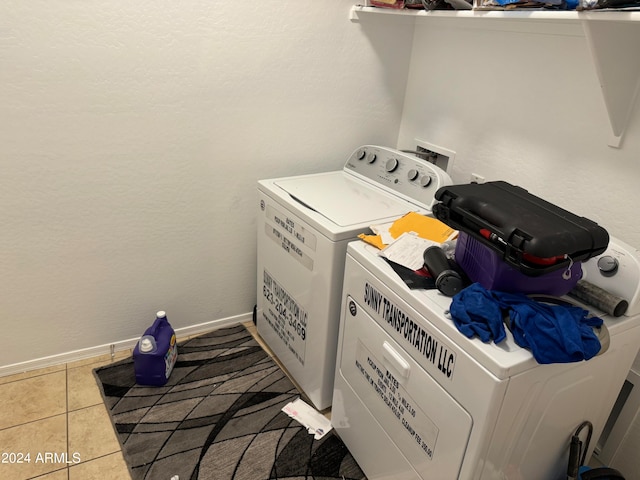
x=425, y=180
x=608, y=265
x=413, y=174
x=391, y=165
x=360, y=154
x=372, y=158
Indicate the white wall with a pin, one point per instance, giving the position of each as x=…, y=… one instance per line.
x=526, y=107
x=132, y=136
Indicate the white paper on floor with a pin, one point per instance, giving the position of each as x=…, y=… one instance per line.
x=316, y=423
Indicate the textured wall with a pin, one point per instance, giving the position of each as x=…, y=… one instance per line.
x=525, y=107
x=133, y=134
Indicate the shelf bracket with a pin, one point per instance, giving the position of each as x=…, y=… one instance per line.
x=613, y=46
x=612, y=39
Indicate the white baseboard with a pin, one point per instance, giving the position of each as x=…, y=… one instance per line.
x=110, y=348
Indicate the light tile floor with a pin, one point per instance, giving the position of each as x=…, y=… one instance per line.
x=54, y=425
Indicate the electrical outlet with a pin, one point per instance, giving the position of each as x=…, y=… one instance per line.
x=475, y=178
x=441, y=157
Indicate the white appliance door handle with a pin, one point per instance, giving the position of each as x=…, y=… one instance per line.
x=392, y=357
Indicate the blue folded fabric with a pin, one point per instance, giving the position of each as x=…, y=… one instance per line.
x=475, y=312
x=553, y=333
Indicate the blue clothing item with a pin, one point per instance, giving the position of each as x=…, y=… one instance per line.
x=553, y=333
x=475, y=312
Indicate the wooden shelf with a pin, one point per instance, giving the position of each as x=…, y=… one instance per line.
x=612, y=38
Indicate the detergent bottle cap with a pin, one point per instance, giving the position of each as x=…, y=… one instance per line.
x=161, y=314
x=147, y=344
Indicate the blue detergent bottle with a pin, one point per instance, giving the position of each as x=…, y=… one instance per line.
x=155, y=353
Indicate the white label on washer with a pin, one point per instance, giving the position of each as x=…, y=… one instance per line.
x=299, y=232
x=285, y=315
x=415, y=423
x=287, y=245
x=407, y=331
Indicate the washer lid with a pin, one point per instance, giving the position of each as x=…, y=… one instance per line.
x=344, y=199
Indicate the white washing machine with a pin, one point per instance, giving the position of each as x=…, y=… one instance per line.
x=416, y=399
x=304, y=224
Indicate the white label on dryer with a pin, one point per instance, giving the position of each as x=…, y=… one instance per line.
x=415, y=423
x=409, y=332
x=285, y=315
x=299, y=232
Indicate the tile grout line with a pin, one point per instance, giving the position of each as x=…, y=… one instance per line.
x=31, y=421
x=45, y=474
x=30, y=377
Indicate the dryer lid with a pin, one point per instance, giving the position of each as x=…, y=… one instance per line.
x=344, y=199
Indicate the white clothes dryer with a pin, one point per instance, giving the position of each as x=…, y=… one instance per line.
x=303, y=227
x=416, y=399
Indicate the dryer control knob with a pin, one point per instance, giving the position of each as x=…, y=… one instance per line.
x=413, y=174
x=372, y=158
x=391, y=165
x=425, y=181
x=608, y=265
x=361, y=154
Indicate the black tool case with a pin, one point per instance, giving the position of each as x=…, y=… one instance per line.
x=530, y=234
